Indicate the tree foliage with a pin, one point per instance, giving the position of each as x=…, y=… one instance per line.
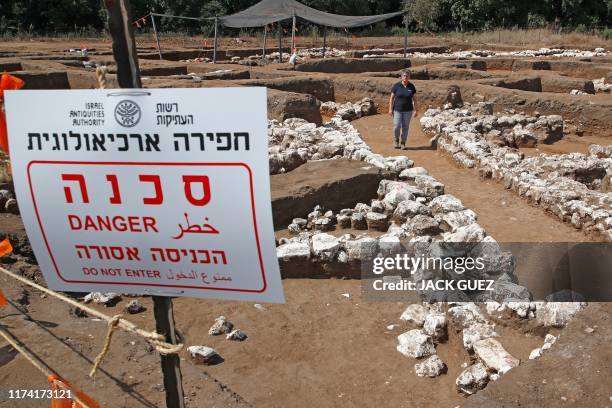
x=57, y=16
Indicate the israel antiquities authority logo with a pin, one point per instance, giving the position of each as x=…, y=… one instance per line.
x=127, y=113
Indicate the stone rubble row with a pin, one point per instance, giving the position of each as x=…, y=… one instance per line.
x=296, y=141
x=542, y=52
x=349, y=111
x=415, y=209
x=411, y=213
x=489, y=359
x=575, y=187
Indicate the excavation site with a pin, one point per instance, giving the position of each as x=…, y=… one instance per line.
x=505, y=173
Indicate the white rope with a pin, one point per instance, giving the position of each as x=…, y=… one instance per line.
x=28, y=356
x=153, y=338
x=101, y=72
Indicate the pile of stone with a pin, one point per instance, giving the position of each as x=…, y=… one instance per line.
x=415, y=206
x=600, y=85
x=477, y=124
x=409, y=212
x=433, y=326
x=575, y=187
x=304, y=53
x=200, y=59
x=549, y=340
x=224, y=326
x=296, y=141
x=209, y=356
x=108, y=299
x=489, y=359
x=556, y=52
x=318, y=52
x=349, y=111
x=578, y=92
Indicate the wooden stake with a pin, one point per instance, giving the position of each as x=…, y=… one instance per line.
x=405, y=35
x=215, y=43
x=280, y=42
x=124, y=45
x=156, y=35
x=324, y=40
x=264, y=41
x=128, y=76
x=171, y=364
x=293, y=35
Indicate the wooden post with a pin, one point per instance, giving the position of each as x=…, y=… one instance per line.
x=215, y=41
x=293, y=35
x=280, y=42
x=171, y=364
x=324, y=40
x=124, y=45
x=405, y=35
x=264, y=41
x=128, y=76
x=156, y=35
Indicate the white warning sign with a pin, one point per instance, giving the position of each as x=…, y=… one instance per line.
x=156, y=191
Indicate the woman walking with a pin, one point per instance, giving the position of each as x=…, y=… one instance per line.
x=402, y=107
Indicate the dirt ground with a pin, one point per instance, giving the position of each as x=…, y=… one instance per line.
x=326, y=347
x=323, y=348
x=455, y=42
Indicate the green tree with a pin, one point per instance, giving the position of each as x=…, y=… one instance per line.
x=426, y=13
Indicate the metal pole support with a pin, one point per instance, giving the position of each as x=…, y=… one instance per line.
x=156, y=35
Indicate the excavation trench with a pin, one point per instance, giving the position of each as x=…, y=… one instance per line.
x=501, y=213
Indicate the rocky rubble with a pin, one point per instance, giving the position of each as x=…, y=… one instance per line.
x=549, y=340
x=489, y=359
x=573, y=186
x=494, y=356
x=542, y=52
x=349, y=111
x=409, y=212
x=415, y=343
x=415, y=210
x=305, y=53
x=221, y=326
x=107, y=299
x=204, y=355
x=134, y=307
x=601, y=85
x=431, y=367
x=296, y=141
x=318, y=52
x=472, y=379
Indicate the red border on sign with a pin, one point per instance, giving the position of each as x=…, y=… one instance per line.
x=263, y=274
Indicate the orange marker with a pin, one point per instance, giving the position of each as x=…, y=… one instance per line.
x=59, y=391
x=5, y=247
x=3, y=300
x=7, y=82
